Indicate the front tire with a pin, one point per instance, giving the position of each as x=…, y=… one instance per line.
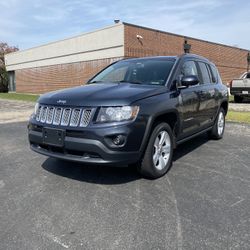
x=217, y=131
x=159, y=152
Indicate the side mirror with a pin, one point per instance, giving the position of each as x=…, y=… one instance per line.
x=187, y=81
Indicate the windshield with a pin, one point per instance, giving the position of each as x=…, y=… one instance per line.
x=141, y=71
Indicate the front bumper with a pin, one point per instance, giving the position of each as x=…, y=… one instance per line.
x=90, y=148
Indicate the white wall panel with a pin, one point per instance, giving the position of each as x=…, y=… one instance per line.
x=104, y=43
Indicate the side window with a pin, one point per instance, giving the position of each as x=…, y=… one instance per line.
x=217, y=74
x=213, y=73
x=189, y=68
x=204, y=73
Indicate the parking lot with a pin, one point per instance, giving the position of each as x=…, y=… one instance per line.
x=202, y=203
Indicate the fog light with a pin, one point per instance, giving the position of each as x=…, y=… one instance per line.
x=118, y=140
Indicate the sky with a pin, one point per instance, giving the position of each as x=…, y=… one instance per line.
x=29, y=23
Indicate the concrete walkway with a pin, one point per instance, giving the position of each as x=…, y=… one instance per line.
x=15, y=111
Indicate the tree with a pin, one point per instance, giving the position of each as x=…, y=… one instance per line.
x=4, y=49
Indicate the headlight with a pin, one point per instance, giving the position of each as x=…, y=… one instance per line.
x=117, y=114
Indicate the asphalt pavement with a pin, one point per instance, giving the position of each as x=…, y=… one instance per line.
x=202, y=203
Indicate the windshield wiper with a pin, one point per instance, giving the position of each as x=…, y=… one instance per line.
x=95, y=82
x=122, y=81
x=132, y=82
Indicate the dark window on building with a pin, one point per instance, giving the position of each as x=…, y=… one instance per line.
x=205, y=78
x=12, y=81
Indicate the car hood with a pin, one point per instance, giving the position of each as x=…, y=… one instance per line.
x=101, y=94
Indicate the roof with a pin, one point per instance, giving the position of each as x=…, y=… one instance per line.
x=188, y=55
x=151, y=57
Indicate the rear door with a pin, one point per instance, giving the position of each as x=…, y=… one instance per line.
x=207, y=95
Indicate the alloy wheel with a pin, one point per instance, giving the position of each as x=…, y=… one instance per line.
x=162, y=149
x=221, y=123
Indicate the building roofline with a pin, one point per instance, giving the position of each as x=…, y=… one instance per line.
x=65, y=39
x=183, y=36
x=127, y=24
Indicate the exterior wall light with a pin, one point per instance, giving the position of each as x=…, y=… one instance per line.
x=186, y=47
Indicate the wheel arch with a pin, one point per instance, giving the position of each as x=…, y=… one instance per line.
x=171, y=117
x=224, y=105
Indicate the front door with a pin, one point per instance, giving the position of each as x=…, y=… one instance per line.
x=189, y=102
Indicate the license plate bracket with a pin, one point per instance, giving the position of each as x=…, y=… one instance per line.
x=53, y=137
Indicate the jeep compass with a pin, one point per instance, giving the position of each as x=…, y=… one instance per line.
x=133, y=112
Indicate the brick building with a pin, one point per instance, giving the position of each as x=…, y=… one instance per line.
x=73, y=61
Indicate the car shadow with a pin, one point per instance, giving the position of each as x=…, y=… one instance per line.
x=189, y=146
x=99, y=174
x=111, y=175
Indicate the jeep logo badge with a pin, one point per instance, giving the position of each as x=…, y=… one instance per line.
x=61, y=101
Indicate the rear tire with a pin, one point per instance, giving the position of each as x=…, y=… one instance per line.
x=217, y=131
x=157, y=158
x=238, y=99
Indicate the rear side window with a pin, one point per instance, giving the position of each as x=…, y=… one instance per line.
x=216, y=74
x=204, y=73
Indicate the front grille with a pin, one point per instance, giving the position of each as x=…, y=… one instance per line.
x=57, y=118
x=38, y=114
x=86, y=115
x=43, y=114
x=75, y=117
x=64, y=116
x=50, y=115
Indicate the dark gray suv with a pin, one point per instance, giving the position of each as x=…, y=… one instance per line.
x=135, y=111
